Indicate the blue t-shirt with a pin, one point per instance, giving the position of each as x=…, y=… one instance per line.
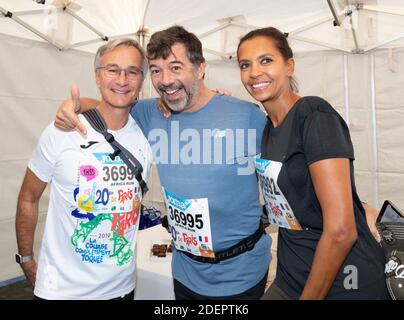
x=209, y=154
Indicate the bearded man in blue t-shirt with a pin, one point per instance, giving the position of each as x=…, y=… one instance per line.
x=204, y=153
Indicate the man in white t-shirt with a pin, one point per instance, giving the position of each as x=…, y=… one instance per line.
x=88, y=247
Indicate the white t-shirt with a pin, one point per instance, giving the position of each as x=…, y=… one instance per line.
x=88, y=247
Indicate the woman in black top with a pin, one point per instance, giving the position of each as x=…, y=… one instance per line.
x=325, y=247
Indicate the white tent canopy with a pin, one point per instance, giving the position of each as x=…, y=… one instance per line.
x=349, y=52
x=351, y=26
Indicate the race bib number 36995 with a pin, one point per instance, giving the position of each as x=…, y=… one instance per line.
x=190, y=224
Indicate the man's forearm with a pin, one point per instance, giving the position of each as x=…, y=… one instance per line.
x=87, y=104
x=25, y=224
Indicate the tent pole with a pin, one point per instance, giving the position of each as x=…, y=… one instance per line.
x=357, y=49
x=10, y=15
x=348, y=13
x=346, y=90
x=141, y=34
x=145, y=14
x=337, y=23
x=28, y=12
x=374, y=123
x=143, y=31
x=85, y=23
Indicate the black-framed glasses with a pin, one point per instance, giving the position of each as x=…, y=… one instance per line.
x=113, y=72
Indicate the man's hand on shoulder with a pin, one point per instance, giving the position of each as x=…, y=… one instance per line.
x=165, y=110
x=223, y=92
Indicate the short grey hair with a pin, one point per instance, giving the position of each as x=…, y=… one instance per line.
x=116, y=43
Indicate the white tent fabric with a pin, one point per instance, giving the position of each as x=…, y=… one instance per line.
x=361, y=78
x=79, y=23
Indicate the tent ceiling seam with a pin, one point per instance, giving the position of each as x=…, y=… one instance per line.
x=382, y=10
x=142, y=23
x=380, y=44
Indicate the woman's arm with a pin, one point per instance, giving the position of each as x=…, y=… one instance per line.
x=332, y=184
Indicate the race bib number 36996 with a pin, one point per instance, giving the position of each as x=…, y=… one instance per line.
x=106, y=185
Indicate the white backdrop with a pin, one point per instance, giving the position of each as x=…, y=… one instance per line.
x=367, y=89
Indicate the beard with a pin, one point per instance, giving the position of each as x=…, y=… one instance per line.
x=185, y=99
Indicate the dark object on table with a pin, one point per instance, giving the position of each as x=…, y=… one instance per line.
x=149, y=217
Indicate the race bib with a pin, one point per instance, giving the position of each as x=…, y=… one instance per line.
x=108, y=203
x=105, y=185
x=189, y=224
x=278, y=208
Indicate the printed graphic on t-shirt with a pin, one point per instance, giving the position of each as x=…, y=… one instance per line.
x=189, y=223
x=278, y=208
x=108, y=201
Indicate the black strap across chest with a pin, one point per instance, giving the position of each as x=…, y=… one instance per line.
x=96, y=121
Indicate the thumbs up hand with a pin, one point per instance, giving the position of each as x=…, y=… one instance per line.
x=66, y=116
x=75, y=96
